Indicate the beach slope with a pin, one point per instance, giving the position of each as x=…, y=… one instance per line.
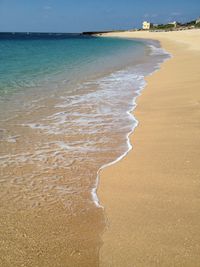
x=152, y=196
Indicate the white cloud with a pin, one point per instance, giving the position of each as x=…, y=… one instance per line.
x=146, y=15
x=175, y=13
x=47, y=7
x=150, y=15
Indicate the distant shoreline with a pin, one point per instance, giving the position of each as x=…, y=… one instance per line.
x=139, y=30
x=85, y=33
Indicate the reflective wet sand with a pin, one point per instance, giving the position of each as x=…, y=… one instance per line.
x=50, y=155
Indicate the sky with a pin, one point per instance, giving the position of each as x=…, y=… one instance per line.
x=91, y=15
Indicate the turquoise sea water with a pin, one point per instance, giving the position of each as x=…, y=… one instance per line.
x=51, y=62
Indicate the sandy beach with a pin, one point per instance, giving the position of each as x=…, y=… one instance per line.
x=151, y=197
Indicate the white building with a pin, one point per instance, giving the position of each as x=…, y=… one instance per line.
x=146, y=25
x=173, y=23
x=198, y=20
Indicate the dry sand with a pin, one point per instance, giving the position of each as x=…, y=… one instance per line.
x=152, y=196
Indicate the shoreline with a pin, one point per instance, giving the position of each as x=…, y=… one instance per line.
x=154, y=180
x=136, y=123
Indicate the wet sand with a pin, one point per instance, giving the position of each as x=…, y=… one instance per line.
x=151, y=197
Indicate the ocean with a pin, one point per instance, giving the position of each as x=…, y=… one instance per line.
x=65, y=112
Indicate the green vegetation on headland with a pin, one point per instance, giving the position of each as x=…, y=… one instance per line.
x=176, y=25
x=163, y=26
x=197, y=25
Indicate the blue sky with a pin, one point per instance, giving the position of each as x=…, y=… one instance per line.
x=88, y=15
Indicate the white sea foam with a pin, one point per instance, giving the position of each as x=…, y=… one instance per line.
x=158, y=51
x=105, y=105
x=82, y=125
x=154, y=51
